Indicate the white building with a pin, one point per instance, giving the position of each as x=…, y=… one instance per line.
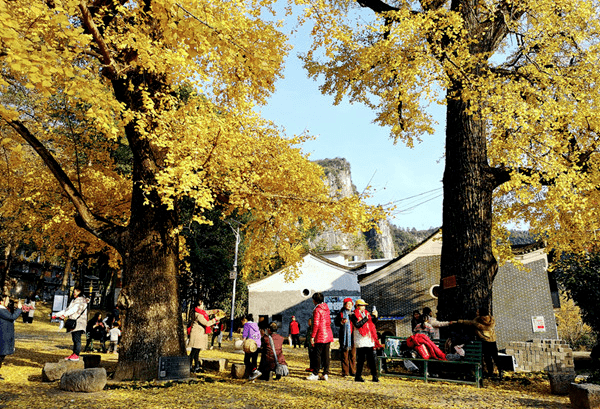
x=275, y=299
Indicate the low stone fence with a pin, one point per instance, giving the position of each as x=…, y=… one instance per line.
x=552, y=355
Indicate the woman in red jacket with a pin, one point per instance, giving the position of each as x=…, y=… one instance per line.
x=321, y=337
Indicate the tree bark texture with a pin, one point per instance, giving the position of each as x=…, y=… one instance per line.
x=5, y=270
x=151, y=317
x=467, y=259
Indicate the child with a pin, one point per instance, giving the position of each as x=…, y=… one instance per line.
x=114, y=335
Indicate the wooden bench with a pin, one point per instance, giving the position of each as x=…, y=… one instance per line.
x=468, y=369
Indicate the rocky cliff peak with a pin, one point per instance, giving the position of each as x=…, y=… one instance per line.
x=368, y=245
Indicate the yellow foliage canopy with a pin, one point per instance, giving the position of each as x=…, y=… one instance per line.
x=175, y=84
x=526, y=70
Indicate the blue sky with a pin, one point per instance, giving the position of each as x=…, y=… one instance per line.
x=395, y=172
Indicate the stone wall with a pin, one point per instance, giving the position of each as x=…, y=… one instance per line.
x=518, y=296
x=551, y=355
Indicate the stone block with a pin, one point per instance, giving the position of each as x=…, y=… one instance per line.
x=238, y=371
x=91, y=361
x=53, y=371
x=584, y=396
x=218, y=364
x=84, y=380
x=560, y=381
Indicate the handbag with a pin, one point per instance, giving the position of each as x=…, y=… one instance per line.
x=280, y=369
x=410, y=366
x=70, y=323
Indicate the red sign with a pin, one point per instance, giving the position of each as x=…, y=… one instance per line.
x=449, y=282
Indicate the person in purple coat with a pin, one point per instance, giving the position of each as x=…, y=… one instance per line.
x=7, y=328
x=251, y=331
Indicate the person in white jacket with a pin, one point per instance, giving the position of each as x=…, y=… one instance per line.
x=435, y=323
x=77, y=310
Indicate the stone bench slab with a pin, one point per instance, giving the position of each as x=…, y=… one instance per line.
x=214, y=364
x=53, y=371
x=84, y=380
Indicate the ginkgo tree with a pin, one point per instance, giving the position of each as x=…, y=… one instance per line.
x=171, y=87
x=519, y=82
x=33, y=208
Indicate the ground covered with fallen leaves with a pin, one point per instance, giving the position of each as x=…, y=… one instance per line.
x=41, y=342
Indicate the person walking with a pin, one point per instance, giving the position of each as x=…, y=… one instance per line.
x=77, y=310
x=7, y=328
x=114, y=334
x=295, y=332
x=321, y=337
x=365, y=340
x=347, y=349
x=485, y=330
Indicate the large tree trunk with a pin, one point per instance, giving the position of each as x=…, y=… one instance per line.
x=152, y=323
x=148, y=245
x=468, y=266
x=151, y=316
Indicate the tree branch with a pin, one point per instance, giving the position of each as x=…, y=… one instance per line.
x=97, y=225
x=90, y=26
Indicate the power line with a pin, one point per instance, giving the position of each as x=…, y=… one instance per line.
x=418, y=195
x=406, y=210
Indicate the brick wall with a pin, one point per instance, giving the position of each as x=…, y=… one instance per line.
x=518, y=295
x=405, y=290
x=541, y=355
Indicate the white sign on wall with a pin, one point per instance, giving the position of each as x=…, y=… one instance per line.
x=538, y=324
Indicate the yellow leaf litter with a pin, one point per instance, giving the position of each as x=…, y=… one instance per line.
x=41, y=342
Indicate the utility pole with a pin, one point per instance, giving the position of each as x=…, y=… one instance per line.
x=233, y=275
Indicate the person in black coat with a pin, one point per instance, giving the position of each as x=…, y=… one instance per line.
x=7, y=329
x=95, y=330
x=267, y=358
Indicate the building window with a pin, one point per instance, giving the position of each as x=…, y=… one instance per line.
x=305, y=292
x=434, y=291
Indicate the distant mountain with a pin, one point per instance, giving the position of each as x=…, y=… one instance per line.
x=521, y=237
x=367, y=245
x=407, y=237
x=391, y=241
